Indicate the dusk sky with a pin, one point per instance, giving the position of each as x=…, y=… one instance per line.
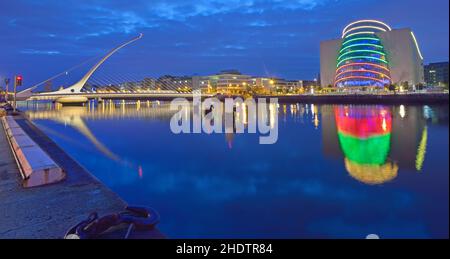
x=39, y=39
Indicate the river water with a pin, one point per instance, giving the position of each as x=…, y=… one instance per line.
x=336, y=171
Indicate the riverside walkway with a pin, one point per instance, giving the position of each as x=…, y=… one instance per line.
x=48, y=211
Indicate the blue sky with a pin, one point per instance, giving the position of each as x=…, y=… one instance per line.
x=270, y=38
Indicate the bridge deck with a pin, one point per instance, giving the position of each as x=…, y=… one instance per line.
x=133, y=96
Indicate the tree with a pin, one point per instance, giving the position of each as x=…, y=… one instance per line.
x=392, y=88
x=405, y=85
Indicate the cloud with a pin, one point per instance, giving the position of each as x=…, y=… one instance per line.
x=183, y=10
x=298, y=4
x=235, y=47
x=40, y=52
x=259, y=24
x=106, y=21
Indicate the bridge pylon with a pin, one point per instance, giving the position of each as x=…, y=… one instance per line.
x=73, y=93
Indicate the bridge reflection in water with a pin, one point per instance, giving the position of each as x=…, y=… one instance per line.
x=75, y=116
x=372, y=139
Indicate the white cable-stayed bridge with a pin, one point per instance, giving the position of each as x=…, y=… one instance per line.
x=111, y=86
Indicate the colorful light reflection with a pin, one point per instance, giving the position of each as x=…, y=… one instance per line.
x=364, y=134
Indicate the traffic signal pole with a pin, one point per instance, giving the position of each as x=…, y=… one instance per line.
x=7, y=88
x=15, y=90
x=17, y=82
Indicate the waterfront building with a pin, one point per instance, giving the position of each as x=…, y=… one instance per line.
x=265, y=83
x=227, y=78
x=436, y=74
x=170, y=82
x=226, y=81
x=273, y=84
x=370, y=54
x=149, y=83
x=125, y=87
x=308, y=83
x=200, y=82
x=286, y=85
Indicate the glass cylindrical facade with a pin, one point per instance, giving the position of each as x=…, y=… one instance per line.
x=362, y=60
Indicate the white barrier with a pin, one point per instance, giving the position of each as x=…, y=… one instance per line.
x=36, y=167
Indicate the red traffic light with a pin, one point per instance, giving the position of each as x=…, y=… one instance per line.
x=18, y=80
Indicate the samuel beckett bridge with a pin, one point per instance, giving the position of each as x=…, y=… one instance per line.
x=78, y=93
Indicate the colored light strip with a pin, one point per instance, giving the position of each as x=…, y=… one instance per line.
x=362, y=64
x=360, y=32
x=363, y=121
x=417, y=45
x=357, y=77
x=369, y=151
x=362, y=50
x=365, y=21
x=361, y=44
x=363, y=27
x=421, y=150
x=369, y=57
x=362, y=38
x=363, y=71
x=364, y=126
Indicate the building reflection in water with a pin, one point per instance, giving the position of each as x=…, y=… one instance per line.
x=420, y=157
x=378, y=141
x=375, y=140
x=364, y=134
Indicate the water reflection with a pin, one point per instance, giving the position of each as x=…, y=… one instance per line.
x=364, y=134
x=421, y=150
x=371, y=138
x=75, y=117
x=323, y=177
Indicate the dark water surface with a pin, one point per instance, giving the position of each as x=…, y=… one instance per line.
x=336, y=170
